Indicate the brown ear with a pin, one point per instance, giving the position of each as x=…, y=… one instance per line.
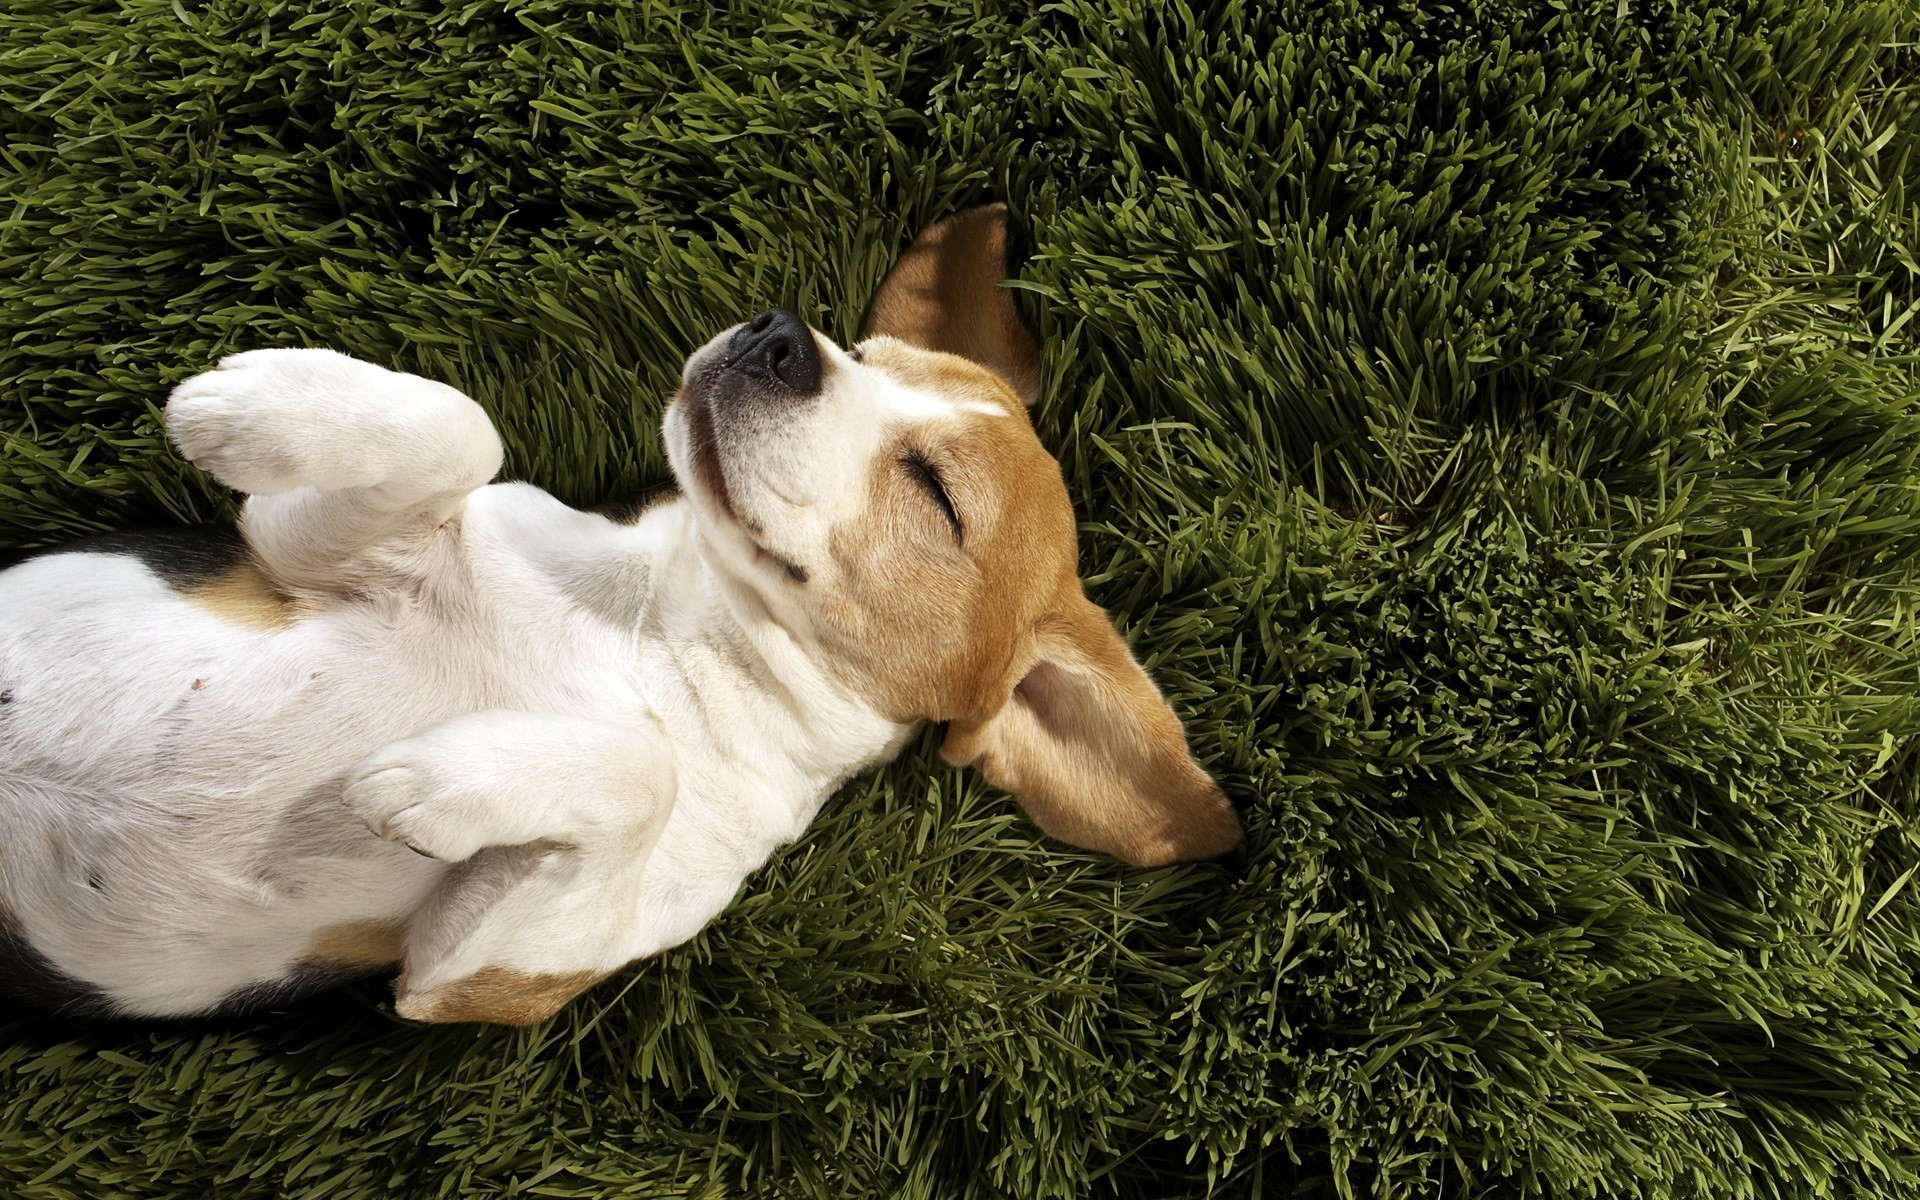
x=945, y=294
x=1094, y=754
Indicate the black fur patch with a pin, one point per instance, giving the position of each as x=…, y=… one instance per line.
x=305, y=979
x=182, y=556
x=626, y=512
x=28, y=977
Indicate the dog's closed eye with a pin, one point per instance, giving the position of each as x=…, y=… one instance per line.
x=927, y=476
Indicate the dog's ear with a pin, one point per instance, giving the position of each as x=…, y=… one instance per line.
x=1092, y=751
x=945, y=294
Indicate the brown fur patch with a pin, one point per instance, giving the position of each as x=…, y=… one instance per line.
x=370, y=943
x=940, y=373
x=995, y=635
x=992, y=632
x=496, y=995
x=906, y=592
x=1094, y=753
x=944, y=294
x=244, y=596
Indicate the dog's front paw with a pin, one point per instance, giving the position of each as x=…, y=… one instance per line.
x=401, y=795
x=270, y=421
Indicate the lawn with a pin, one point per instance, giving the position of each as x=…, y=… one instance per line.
x=1497, y=426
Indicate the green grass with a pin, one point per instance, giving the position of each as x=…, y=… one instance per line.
x=1496, y=425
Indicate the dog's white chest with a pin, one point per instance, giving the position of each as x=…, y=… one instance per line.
x=135, y=713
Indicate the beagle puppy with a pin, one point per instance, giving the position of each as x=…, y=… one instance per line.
x=407, y=717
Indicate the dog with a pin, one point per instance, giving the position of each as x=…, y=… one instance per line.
x=404, y=716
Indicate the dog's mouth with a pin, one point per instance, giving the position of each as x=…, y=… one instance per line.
x=703, y=444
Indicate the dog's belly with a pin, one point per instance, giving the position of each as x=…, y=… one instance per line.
x=170, y=826
x=173, y=741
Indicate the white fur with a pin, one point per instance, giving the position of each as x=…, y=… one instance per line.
x=797, y=476
x=595, y=730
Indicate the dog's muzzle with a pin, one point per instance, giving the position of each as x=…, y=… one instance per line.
x=776, y=350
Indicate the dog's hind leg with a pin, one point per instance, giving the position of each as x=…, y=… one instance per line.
x=338, y=456
x=552, y=819
x=518, y=932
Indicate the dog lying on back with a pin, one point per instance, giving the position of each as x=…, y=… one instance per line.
x=408, y=717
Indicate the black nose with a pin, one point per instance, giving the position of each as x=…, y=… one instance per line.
x=777, y=347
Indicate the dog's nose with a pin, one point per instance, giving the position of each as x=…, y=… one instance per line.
x=777, y=347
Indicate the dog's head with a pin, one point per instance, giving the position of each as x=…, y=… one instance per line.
x=892, y=509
